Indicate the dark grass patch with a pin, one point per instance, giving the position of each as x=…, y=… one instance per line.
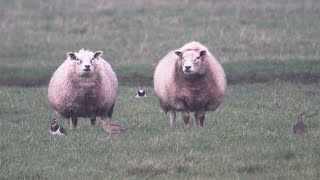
x=25, y=81
x=244, y=72
x=147, y=171
x=301, y=78
x=250, y=169
x=134, y=79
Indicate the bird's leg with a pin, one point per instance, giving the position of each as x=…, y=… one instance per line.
x=186, y=118
x=93, y=120
x=199, y=118
x=172, y=114
x=73, y=121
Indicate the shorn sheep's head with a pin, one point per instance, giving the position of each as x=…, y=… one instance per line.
x=84, y=61
x=191, y=61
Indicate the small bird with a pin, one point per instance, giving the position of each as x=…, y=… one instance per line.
x=300, y=127
x=55, y=129
x=112, y=128
x=141, y=93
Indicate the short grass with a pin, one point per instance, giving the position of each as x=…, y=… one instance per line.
x=249, y=137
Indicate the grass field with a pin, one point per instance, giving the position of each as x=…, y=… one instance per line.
x=269, y=49
x=135, y=34
x=249, y=136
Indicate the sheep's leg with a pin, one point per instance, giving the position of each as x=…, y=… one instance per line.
x=73, y=121
x=93, y=120
x=196, y=120
x=199, y=118
x=172, y=115
x=111, y=111
x=186, y=118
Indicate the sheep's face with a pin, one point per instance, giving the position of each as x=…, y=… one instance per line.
x=191, y=61
x=84, y=62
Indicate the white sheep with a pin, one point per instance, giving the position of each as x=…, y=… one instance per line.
x=189, y=79
x=84, y=85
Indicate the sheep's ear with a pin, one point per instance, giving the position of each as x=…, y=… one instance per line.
x=97, y=54
x=202, y=53
x=72, y=55
x=178, y=53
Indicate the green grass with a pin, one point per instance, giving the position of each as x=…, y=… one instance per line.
x=35, y=35
x=249, y=136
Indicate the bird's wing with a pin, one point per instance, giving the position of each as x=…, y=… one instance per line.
x=62, y=130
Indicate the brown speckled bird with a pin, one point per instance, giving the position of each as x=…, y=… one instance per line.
x=112, y=128
x=300, y=127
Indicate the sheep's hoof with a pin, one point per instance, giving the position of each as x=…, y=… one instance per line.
x=187, y=126
x=72, y=126
x=198, y=126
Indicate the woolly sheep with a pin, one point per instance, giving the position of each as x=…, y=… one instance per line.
x=84, y=85
x=189, y=79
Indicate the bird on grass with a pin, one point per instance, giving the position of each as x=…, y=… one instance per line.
x=112, y=128
x=141, y=93
x=55, y=129
x=300, y=127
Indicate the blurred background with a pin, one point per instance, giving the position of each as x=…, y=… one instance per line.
x=257, y=41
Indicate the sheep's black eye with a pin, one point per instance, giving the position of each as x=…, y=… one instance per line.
x=78, y=61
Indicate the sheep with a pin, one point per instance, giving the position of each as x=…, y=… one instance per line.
x=189, y=79
x=84, y=85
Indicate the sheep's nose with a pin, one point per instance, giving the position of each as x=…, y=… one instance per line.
x=87, y=66
x=187, y=67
